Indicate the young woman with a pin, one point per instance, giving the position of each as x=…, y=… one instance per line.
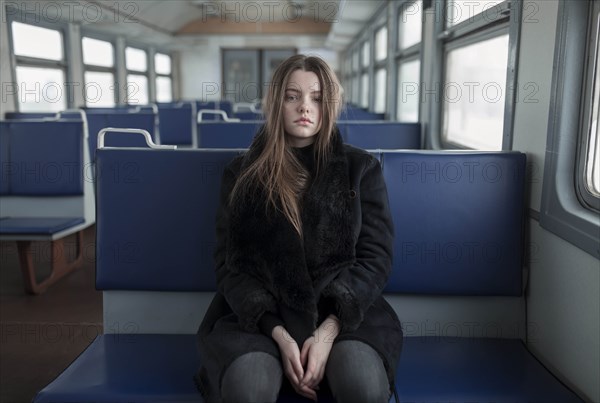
x=304, y=243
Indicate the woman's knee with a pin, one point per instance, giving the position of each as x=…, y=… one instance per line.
x=253, y=377
x=356, y=373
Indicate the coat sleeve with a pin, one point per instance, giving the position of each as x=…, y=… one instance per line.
x=245, y=294
x=356, y=287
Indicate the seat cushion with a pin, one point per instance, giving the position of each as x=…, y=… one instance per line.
x=450, y=369
x=37, y=225
x=129, y=368
x=160, y=368
x=136, y=368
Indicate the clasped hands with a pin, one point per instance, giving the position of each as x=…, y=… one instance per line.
x=305, y=368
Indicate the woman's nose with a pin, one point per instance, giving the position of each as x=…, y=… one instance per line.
x=303, y=106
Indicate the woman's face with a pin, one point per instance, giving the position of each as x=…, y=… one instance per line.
x=302, y=108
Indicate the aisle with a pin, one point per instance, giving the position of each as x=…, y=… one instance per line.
x=41, y=335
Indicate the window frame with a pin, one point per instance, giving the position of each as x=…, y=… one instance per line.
x=562, y=211
x=157, y=74
x=102, y=69
x=414, y=52
x=14, y=15
x=590, y=77
x=379, y=65
x=472, y=30
x=149, y=67
x=366, y=40
x=347, y=76
x=367, y=34
x=400, y=62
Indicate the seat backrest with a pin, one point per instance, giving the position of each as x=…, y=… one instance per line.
x=458, y=229
x=28, y=115
x=42, y=158
x=459, y=221
x=227, y=107
x=384, y=135
x=176, y=124
x=246, y=115
x=366, y=135
x=99, y=119
x=156, y=228
x=45, y=169
x=354, y=113
x=209, y=105
x=227, y=134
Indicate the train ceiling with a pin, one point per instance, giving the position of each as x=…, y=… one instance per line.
x=159, y=22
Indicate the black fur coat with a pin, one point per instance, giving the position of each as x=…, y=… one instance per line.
x=262, y=265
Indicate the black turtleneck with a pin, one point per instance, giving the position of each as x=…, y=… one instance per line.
x=306, y=155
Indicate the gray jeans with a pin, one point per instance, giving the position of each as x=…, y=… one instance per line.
x=354, y=371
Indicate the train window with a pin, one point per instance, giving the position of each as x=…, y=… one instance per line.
x=380, y=88
x=570, y=197
x=380, y=93
x=381, y=44
x=162, y=64
x=408, y=91
x=136, y=61
x=97, y=52
x=458, y=11
x=38, y=42
x=99, y=89
x=475, y=118
x=475, y=96
x=99, y=75
x=354, y=96
x=366, y=54
x=164, y=89
x=364, y=96
x=408, y=60
x=589, y=153
x=40, y=89
x=355, y=93
x=164, y=81
x=409, y=24
x=592, y=152
x=137, y=89
x=347, y=78
x=41, y=68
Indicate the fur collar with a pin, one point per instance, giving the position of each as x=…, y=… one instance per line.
x=267, y=247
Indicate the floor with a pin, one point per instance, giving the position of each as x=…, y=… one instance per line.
x=41, y=335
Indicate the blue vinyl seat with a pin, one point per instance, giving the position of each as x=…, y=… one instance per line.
x=40, y=225
x=127, y=368
x=46, y=191
x=382, y=135
x=367, y=135
x=459, y=236
x=176, y=123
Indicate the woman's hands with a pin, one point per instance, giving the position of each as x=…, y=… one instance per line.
x=290, y=357
x=306, y=369
x=315, y=352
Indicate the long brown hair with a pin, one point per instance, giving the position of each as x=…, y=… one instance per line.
x=275, y=168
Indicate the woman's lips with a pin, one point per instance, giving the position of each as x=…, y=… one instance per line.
x=303, y=121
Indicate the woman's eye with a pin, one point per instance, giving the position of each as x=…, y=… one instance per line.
x=318, y=100
x=291, y=98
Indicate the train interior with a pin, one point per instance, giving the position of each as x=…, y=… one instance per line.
x=118, y=117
